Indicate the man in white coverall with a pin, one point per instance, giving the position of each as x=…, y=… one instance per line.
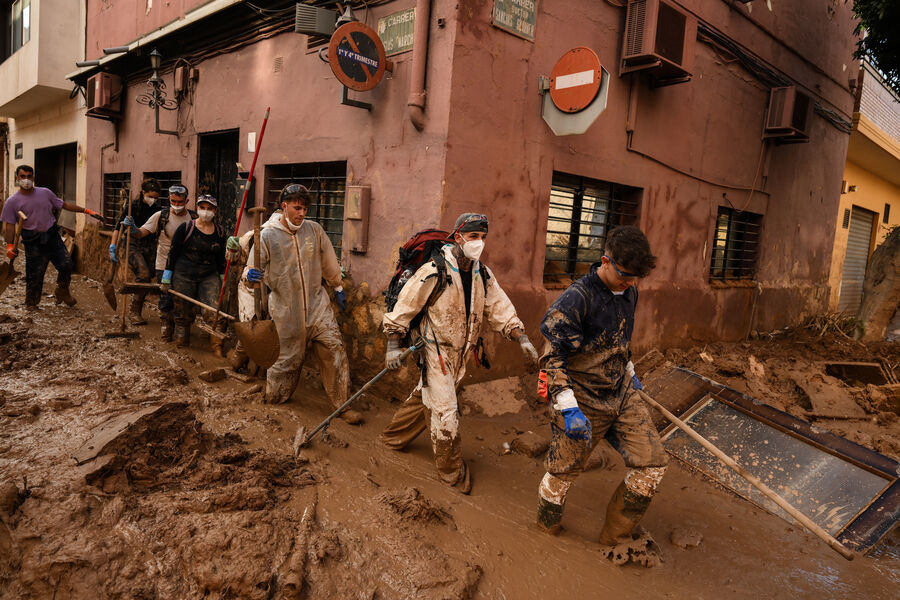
x=295, y=255
x=450, y=327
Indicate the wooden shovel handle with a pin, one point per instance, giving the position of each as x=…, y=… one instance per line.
x=22, y=218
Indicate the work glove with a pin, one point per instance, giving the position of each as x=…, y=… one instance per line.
x=340, y=297
x=129, y=222
x=93, y=213
x=165, y=281
x=528, y=349
x=255, y=275
x=635, y=382
x=112, y=253
x=11, y=251
x=577, y=425
x=392, y=357
x=232, y=249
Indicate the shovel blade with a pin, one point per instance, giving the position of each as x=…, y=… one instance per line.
x=7, y=274
x=109, y=292
x=259, y=340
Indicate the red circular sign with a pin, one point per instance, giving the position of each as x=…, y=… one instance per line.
x=575, y=80
x=356, y=56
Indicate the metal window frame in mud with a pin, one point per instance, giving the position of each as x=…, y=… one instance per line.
x=685, y=393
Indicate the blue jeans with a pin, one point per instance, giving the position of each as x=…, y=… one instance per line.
x=204, y=288
x=42, y=248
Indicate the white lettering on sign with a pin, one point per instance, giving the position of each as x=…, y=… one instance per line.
x=357, y=57
x=574, y=79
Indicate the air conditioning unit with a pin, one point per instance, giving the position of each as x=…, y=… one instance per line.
x=314, y=21
x=104, y=96
x=660, y=39
x=788, y=117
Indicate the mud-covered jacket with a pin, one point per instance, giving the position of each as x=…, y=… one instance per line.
x=245, y=295
x=589, y=333
x=295, y=264
x=446, y=318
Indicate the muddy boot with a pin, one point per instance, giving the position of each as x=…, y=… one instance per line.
x=353, y=417
x=182, y=336
x=62, y=295
x=464, y=483
x=167, y=330
x=134, y=314
x=621, y=539
x=237, y=358
x=549, y=516
x=215, y=345
x=32, y=305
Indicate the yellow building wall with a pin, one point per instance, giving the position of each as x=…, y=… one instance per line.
x=872, y=193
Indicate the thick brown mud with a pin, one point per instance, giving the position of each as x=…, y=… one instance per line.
x=202, y=496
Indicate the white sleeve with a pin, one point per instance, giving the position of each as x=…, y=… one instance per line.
x=152, y=223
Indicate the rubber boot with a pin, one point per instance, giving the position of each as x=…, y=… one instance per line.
x=168, y=328
x=62, y=295
x=549, y=516
x=215, y=345
x=237, y=358
x=134, y=314
x=353, y=417
x=182, y=336
x=623, y=513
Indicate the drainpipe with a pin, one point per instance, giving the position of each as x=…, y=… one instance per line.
x=416, y=102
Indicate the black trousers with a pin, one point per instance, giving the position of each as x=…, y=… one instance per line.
x=41, y=249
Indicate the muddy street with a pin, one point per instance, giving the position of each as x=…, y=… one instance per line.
x=124, y=475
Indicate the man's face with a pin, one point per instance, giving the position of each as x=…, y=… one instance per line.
x=177, y=199
x=294, y=211
x=469, y=236
x=614, y=276
x=22, y=174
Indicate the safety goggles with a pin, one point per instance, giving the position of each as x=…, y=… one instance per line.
x=208, y=198
x=178, y=189
x=620, y=273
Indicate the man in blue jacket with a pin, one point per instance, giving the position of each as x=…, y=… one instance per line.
x=590, y=378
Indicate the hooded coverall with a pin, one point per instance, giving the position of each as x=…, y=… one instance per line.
x=589, y=333
x=448, y=335
x=295, y=264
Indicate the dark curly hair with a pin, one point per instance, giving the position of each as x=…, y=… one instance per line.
x=629, y=248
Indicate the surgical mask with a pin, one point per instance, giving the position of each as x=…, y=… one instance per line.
x=178, y=209
x=149, y=201
x=206, y=215
x=26, y=184
x=472, y=249
x=618, y=293
x=290, y=225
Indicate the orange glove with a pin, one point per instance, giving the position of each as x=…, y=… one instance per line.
x=11, y=251
x=542, y=385
x=93, y=213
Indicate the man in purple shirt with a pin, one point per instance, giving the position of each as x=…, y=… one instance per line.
x=40, y=234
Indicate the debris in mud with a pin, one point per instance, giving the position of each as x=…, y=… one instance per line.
x=10, y=498
x=641, y=550
x=212, y=376
x=413, y=506
x=685, y=538
x=530, y=444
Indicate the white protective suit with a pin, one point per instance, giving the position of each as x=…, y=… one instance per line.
x=246, y=300
x=445, y=323
x=295, y=264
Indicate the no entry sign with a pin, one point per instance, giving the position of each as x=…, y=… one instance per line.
x=575, y=79
x=356, y=56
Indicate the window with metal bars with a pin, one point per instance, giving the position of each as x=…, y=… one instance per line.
x=582, y=211
x=116, y=191
x=165, y=179
x=735, y=245
x=326, y=182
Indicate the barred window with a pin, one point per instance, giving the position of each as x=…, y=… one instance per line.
x=735, y=246
x=165, y=179
x=116, y=192
x=326, y=182
x=582, y=211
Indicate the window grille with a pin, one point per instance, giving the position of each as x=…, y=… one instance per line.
x=735, y=246
x=116, y=192
x=582, y=211
x=326, y=182
x=165, y=179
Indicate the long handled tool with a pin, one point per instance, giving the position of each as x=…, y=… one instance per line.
x=8, y=271
x=153, y=288
x=752, y=479
x=237, y=226
x=259, y=336
x=109, y=291
x=301, y=440
x=123, y=331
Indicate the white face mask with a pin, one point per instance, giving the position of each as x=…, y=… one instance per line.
x=177, y=209
x=205, y=215
x=618, y=293
x=149, y=201
x=472, y=249
x=26, y=184
x=290, y=225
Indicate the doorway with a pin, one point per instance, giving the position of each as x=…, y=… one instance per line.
x=859, y=239
x=55, y=168
x=217, y=172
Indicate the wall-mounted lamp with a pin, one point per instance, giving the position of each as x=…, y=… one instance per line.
x=155, y=97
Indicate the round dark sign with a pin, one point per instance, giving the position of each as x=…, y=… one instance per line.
x=356, y=56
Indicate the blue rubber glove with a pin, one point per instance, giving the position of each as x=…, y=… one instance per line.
x=129, y=222
x=254, y=275
x=577, y=425
x=165, y=282
x=112, y=253
x=341, y=298
x=636, y=383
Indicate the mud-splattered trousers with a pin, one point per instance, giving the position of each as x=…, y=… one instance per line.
x=446, y=327
x=141, y=257
x=588, y=330
x=294, y=264
x=41, y=249
x=204, y=288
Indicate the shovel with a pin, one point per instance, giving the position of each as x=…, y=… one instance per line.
x=109, y=292
x=7, y=271
x=259, y=337
x=123, y=330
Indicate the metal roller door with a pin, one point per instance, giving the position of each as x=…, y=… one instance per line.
x=858, y=238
